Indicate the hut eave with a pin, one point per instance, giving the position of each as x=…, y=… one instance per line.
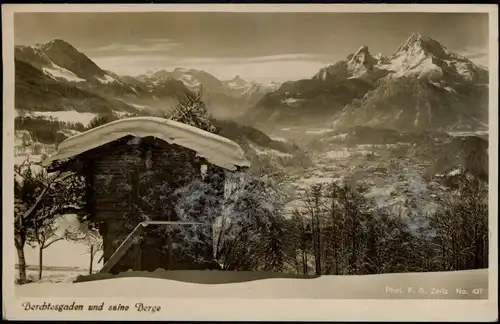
x=215, y=149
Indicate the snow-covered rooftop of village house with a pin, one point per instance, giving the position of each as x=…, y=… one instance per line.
x=216, y=149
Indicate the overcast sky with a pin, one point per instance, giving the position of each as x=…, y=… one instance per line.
x=256, y=46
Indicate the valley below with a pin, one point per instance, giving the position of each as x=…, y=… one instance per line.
x=400, y=174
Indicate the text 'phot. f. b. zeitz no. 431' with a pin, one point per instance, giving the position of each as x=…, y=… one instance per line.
x=231, y=154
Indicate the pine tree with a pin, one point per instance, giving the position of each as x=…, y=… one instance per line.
x=192, y=110
x=101, y=120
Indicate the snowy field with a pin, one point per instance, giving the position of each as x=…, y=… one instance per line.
x=439, y=285
x=54, y=274
x=318, y=131
x=57, y=72
x=68, y=116
x=269, y=152
x=465, y=133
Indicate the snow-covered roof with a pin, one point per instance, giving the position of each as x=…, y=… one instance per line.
x=215, y=149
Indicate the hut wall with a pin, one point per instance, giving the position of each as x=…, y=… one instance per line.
x=136, y=181
x=113, y=196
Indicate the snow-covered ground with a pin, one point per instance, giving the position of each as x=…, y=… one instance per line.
x=56, y=275
x=63, y=253
x=190, y=82
x=437, y=285
x=57, y=72
x=106, y=79
x=139, y=107
x=346, y=153
x=288, y=132
x=64, y=261
x=318, y=131
x=307, y=182
x=277, y=138
x=471, y=133
x=70, y=116
x=290, y=101
x=269, y=152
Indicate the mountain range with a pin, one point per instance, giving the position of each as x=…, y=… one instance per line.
x=225, y=98
x=421, y=86
x=58, y=90
x=55, y=76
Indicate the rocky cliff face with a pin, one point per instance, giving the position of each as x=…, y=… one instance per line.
x=421, y=86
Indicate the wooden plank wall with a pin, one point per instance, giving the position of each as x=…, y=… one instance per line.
x=151, y=170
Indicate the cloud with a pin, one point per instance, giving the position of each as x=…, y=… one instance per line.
x=284, y=57
x=245, y=60
x=476, y=55
x=282, y=67
x=157, y=40
x=152, y=45
x=479, y=56
x=472, y=52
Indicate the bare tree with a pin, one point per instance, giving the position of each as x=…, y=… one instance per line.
x=44, y=234
x=30, y=190
x=314, y=208
x=40, y=197
x=461, y=226
x=89, y=236
x=333, y=231
x=300, y=239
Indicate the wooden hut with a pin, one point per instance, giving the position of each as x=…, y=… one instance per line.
x=136, y=172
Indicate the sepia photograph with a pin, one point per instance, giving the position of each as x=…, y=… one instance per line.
x=338, y=155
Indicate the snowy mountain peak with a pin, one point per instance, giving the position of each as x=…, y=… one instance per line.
x=237, y=81
x=362, y=55
x=61, y=61
x=58, y=41
x=415, y=38
x=379, y=56
x=237, y=78
x=425, y=57
x=58, y=44
x=417, y=44
x=183, y=70
x=362, y=50
x=360, y=62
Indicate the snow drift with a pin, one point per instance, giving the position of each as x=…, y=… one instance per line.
x=435, y=285
x=216, y=149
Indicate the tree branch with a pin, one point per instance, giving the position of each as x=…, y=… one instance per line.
x=40, y=197
x=50, y=243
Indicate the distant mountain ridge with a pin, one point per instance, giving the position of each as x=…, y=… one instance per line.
x=421, y=86
x=59, y=61
x=37, y=91
x=225, y=98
